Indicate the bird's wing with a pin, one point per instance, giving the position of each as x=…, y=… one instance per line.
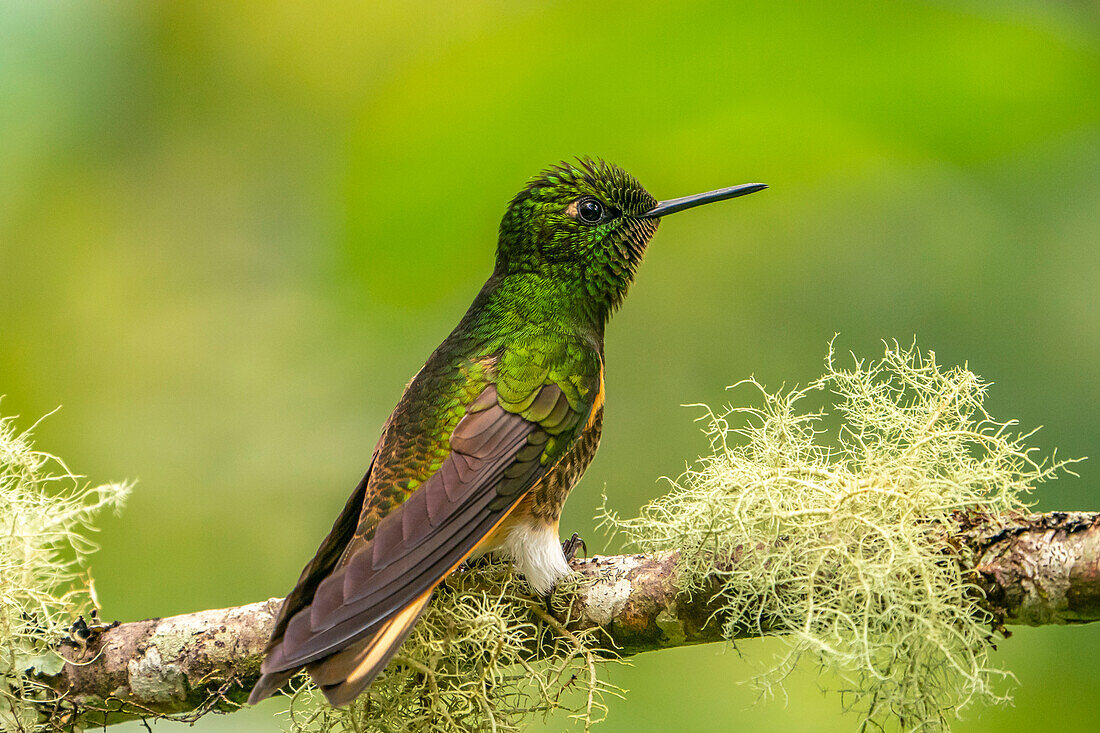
x=323, y=562
x=510, y=436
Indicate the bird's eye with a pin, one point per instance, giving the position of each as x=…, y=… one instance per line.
x=590, y=211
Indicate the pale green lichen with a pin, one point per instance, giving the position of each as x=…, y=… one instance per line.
x=834, y=524
x=46, y=514
x=478, y=660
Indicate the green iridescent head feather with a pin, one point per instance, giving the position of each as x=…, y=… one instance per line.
x=580, y=224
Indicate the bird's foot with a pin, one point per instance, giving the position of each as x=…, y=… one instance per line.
x=569, y=547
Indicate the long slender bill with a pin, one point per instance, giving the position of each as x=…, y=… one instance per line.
x=664, y=208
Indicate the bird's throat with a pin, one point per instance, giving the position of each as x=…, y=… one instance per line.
x=537, y=300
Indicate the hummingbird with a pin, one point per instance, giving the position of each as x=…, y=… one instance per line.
x=488, y=438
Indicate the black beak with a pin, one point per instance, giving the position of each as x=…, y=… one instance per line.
x=671, y=206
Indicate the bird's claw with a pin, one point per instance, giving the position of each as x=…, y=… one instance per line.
x=569, y=547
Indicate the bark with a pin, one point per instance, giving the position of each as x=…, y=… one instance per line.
x=1033, y=570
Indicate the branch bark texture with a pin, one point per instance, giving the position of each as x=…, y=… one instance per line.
x=1034, y=570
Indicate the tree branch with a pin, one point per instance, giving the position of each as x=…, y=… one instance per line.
x=1034, y=570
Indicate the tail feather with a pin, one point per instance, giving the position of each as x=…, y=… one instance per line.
x=335, y=669
x=268, y=683
x=343, y=676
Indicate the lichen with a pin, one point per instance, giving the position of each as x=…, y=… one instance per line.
x=154, y=680
x=46, y=515
x=849, y=506
x=485, y=656
x=604, y=601
x=671, y=626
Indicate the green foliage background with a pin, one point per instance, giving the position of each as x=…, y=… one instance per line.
x=230, y=233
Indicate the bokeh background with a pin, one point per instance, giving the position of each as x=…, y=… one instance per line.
x=229, y=233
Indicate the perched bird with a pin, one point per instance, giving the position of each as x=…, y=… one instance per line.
x=488, y=438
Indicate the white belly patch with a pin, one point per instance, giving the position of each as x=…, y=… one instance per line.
x=535, y=549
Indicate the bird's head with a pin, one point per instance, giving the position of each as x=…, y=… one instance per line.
x=587, y=224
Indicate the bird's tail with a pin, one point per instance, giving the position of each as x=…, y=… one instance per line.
x=345, y=674
x=268, y=683
x=342, y=676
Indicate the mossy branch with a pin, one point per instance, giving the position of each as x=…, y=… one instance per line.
x=1033, y=569
x=876, y=520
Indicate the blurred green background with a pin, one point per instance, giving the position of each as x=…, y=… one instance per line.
x=230, y=233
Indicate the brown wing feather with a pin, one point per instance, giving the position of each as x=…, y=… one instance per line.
x=414, y=546
x=359, y=598
x=329, y=552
